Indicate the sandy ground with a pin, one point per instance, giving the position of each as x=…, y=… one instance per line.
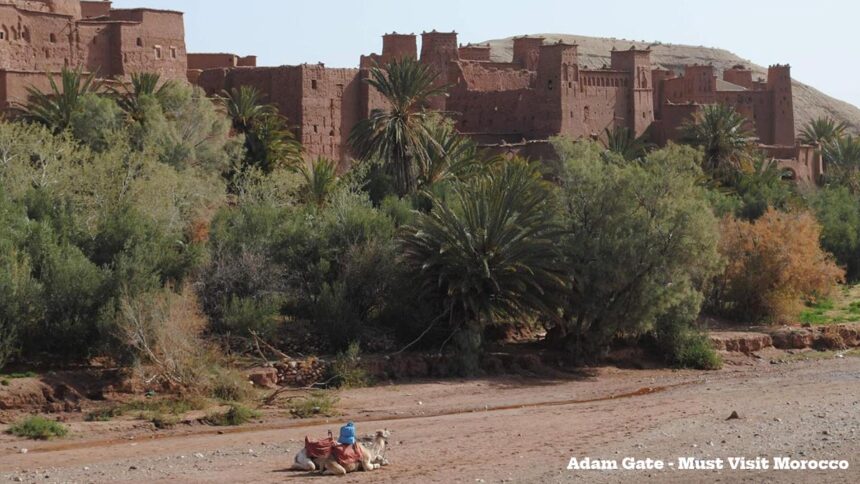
x=506, y=430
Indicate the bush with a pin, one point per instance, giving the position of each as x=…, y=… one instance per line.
x=774, y=265
x=641, y=242
x=346, y=370
x=229, y=386
x=83, y=229
x=38, y=428
x=316, y=403
x=328, y=264
x=162, y=331
x=681, y=342
x=838, y=212
x=236, y=415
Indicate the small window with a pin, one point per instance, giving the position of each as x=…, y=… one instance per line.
x=549, y=84
x=313, y=84
x=2, y=35
x=158, y=52
x=139, y=42
x=173, y=52
x=53, y=38
x=316, y=128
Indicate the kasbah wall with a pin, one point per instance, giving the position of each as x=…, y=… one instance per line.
x=510, y=107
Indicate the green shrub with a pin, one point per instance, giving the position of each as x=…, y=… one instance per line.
x=243, y=316
x=317, y=403
x=641, y=239
x=838, y=212
x=38, y=428
x=346, y=370
x=236, y=415
x=681, y=342
x=230, y=386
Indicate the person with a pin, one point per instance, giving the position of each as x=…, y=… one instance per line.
x=347, y=434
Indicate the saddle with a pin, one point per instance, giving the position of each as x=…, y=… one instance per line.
x=343, y=454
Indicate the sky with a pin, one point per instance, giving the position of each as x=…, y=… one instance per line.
x=816, y=37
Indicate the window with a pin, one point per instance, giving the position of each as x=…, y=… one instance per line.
x=53, y=38
x=549, y=84
x=173, y=53
x=2, y=35
x=158, y=52
x=313, y=84
x=316, y=129
x=139, y=42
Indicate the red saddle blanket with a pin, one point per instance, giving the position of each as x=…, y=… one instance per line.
x=344, y=454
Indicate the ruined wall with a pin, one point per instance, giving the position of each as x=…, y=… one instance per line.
x=471, y=52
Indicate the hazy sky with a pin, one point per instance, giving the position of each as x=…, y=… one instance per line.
x=818, y=38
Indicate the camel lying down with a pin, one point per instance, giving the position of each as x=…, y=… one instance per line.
x=367, y=455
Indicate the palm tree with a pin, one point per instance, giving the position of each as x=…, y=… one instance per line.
x=720, y=131
x=320, y=181
x=143, y=84
x=451, y=156
x=56, y=108
x=269, y=143
x=822, y=131
x=398, y=136
x=490, y=254
x=244, y=106
x=621, y=141
x=843, y=152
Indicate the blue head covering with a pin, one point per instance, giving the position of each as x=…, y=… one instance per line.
x=347, y=434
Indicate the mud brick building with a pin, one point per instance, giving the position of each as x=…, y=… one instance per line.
x=517, y=106
x=43, y=36
x=513, y=106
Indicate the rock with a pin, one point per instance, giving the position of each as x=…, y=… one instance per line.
x=23, y=451
x=132, y=468
x=740, y=341
x=793, y=339
x=734, y=416
x=264, y=377
x=199, y=455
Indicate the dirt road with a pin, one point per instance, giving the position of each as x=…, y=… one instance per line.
x=507, y=430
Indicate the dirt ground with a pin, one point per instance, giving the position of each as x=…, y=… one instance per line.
x=504, y=430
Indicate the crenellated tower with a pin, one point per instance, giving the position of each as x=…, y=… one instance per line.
x=637, y=62
x=438, y=49
x=779, y=85
x=527, y=51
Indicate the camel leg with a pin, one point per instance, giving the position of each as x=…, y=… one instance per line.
x=303, y=463
x=333, y=468
x=367, y=465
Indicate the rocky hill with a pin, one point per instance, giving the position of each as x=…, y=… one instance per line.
x=809, y=103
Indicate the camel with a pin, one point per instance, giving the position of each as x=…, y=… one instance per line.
x=372, y=457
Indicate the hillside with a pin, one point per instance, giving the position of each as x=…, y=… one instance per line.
x=809, y=103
